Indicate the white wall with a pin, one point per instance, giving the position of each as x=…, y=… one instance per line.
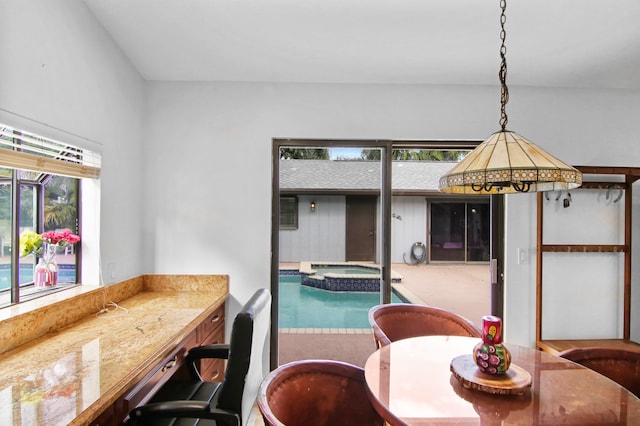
x=217, y=202
x=572, y=278
x=582, y=127
x=63, y=77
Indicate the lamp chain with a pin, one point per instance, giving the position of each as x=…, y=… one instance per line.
x=504, y=91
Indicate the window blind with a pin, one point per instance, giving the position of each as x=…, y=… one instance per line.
x=27, y=151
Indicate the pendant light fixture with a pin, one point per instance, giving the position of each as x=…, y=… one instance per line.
x=506, y=162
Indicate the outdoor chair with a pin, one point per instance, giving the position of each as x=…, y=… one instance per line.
x=619, y=364
x=395, y=321
x=227, y=403
x=316, y=393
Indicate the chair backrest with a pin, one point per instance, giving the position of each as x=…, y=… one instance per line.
x=395, y=321
x=619, y=364
x=245, y=370
x=316, y=393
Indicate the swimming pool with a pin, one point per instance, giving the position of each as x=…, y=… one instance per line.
x=343, y=276
x=307, y=307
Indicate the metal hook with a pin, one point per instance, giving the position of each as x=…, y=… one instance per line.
x=619, y=194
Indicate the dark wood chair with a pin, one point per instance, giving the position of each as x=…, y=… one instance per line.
x=395, y=321
x=619, y=364
x=316, y=393
x=229, y=402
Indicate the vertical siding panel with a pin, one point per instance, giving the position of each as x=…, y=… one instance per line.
x=320, y=235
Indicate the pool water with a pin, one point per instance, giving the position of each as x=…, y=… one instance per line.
x=307, y=307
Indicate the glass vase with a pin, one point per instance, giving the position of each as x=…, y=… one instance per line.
x=46, y=272
x=490, y=355
x=40, y=274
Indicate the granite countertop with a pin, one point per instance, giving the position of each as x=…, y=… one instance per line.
x=71, y=375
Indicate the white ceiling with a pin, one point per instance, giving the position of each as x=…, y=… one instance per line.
x=571, y=43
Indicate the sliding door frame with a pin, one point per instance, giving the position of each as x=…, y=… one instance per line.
x=386, y=147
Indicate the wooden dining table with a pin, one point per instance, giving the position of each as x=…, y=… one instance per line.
x=410, y=382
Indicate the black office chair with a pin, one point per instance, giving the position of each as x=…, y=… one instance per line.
x=191, y=402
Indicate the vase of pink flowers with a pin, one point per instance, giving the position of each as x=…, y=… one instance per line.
x=45, y=246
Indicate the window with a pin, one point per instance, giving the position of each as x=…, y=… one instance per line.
x=288, y=213
x=40, y=191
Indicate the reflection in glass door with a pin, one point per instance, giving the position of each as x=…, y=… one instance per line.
x=478, y=232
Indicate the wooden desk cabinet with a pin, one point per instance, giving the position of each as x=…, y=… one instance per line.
x=211, y=330
x=106, y=418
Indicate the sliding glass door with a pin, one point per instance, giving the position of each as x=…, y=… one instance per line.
x=460, y=231
x=364, y=202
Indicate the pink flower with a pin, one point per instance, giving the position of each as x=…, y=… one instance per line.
x=62, y=238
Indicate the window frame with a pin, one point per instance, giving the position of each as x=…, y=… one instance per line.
x=23, y=291
x=47, y=158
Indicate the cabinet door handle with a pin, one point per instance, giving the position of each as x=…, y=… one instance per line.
x=169, y=365
x=215, y=318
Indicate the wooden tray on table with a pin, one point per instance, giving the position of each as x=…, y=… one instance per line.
x=515, y=381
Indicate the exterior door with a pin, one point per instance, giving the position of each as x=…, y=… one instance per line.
x=361, y=228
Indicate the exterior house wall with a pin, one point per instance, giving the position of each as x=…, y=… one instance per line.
x=408, y=226
x=320, y=235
